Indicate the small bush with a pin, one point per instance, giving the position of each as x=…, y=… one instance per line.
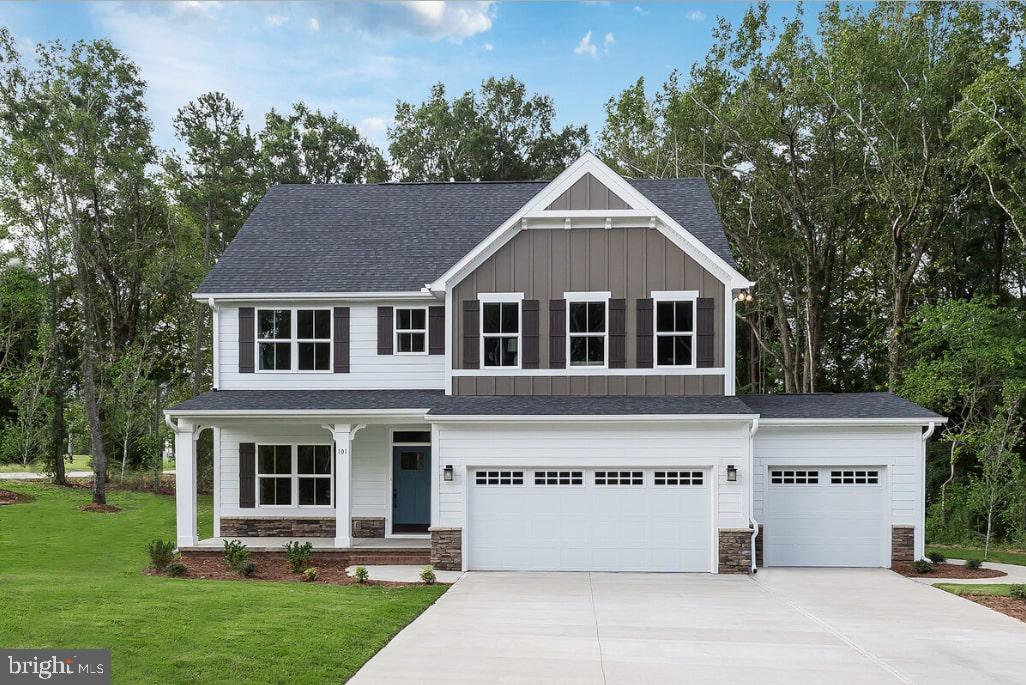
x=162, y=553
x=427, y=575
x=936, y=557
x=973, y=563
x=1017, y=591
x=310, y=574
x=246, y=568
x=298, y=555
x=361, y=574
x=236, y=555
x=176, y=568
x=922, y=566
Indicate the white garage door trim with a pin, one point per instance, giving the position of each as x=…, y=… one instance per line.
x=839, y=502
x=701, y=557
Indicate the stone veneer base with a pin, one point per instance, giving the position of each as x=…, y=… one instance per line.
x=277, y=527
x=447, y=548
x=368, y=527
x=903, y=544
x=735, y=550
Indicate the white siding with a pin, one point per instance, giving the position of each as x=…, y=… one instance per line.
x=593, y=444
x=368, y=369
x=897, y=448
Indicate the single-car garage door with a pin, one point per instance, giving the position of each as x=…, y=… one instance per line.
x=825, y=516
x=578, y=519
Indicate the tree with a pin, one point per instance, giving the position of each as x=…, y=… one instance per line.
x=308, y=146
x=497, y=134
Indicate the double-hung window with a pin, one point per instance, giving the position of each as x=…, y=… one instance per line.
x=587, y=328
x=294, y=475
x=294, y=339
x=500, y=329
x=411, y=330
x=675, y=328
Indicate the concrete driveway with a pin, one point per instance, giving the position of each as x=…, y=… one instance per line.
x=782, y=626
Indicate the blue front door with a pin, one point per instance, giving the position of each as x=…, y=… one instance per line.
x=411, y=489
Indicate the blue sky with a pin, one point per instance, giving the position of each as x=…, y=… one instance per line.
x=357, y=59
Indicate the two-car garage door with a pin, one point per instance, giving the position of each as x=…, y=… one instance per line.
x=825, y=516
x=589, y=519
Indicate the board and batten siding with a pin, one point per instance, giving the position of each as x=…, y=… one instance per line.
x=367, y=369
x=897, y=448
x=633, y=445
x=630, y=263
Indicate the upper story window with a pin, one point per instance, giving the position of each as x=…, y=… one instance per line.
x=587, y=328
x=411, y=330
x=500, y=329
x=675, y=328
x=294, y=339
x=290, y=475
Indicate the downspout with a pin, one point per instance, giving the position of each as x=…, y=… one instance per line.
x=922, y=484
x=751, y=488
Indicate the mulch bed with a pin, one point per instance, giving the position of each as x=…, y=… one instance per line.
x=10, y=497
x=269, y=568
x=166, y=487
x=1009, y=606
x=947, y=571
x=100, y=508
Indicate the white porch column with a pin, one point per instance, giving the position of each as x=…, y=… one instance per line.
x=342, y=434
x=185, y=482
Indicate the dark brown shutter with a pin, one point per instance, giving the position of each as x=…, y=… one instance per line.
x=557, y=334
x=436, y=330
x=529, y=322
x=645, y=333
x=705, y=331
x=385, y=330
x=247, y=333
x=471, y=333
x=247, y=475
x=341, y=340
x=617, y=334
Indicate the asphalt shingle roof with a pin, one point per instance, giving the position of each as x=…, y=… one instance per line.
x=875, y=405
x=393, y=237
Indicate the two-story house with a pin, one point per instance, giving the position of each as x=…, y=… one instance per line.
x=525, y=375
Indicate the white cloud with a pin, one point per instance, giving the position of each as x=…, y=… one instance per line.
x=434, y=19
x=696, y=15
x=608, y=41
x=586, y=47
x=314, y=24
x=275, y=20
x=374, y=128
x=638, y=9
x=488, y=47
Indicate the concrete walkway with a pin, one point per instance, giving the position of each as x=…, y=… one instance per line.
x=1016, y=574
x=405, y=574
x=782, y=626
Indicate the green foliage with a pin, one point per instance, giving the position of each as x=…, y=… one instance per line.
x=1018, y=592
x=936, y=557
x=162, y=553
x=176, y=569
x=427, y=575
x=236, y=555
x=922, y=566
x=245, y=568
x=973, y=563
x=310, y=574
x=298, y=555
x=361, y=574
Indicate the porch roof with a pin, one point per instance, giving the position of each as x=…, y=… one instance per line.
x=312, y=401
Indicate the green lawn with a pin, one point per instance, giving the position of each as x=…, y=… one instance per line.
x=1002, y=556
x=80, y=462
x=72, y=579
x=994, y=590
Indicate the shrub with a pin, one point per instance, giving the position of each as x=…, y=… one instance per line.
x=162, y=553
x=427, y=575
x=1017, y=591
x=361, y=574
x=298, y=555
x=176, y=568
x=310, y=574
x=246, y=568
x=922, y=566
x=973, y=563
x=236, y=555
x=936, y=557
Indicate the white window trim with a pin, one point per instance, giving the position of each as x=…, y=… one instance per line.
x=294, y=475
x=674, y=296
x=502, y=298
x=576, y=298
x=293, y=340
x=396, y=331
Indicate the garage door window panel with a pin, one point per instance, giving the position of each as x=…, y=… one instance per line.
x=619, y=478
x=794, y=477
x=559, y=478
x=855, y=477
x=677, y=478
x=498, y=477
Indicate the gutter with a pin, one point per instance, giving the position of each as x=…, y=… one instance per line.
x=358, y=296
x=751, y=489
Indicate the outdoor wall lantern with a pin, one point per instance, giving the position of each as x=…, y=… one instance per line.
x=447, y=472
x=731, y=473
